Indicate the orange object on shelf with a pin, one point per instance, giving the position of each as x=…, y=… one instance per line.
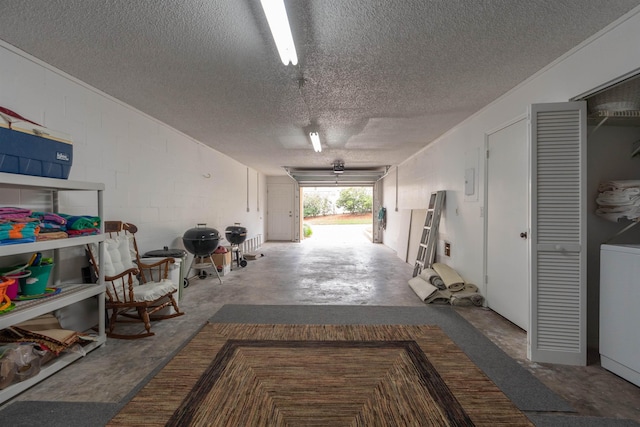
x=5, y=301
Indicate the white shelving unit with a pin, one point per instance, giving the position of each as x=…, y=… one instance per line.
x=70, y=293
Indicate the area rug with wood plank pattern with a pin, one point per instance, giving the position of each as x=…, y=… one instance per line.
x=362, y=375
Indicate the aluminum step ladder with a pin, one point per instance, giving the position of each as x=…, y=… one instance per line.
x=427, y=248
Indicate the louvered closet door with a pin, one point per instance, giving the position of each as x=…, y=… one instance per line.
x=558, y=227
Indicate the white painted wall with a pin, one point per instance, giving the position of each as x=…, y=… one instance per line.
x=155, y=177
x=397, y=230
x=612, y=53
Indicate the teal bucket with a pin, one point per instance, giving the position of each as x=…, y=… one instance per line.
x=36, y=284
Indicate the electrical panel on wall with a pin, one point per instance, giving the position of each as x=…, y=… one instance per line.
x=469, y=182
x=472, y=162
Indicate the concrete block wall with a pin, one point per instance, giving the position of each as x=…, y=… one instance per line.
x=155, y=176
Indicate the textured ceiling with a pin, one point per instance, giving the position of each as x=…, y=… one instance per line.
x=382, y=78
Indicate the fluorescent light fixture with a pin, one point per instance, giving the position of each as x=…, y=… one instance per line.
x=315, y=140
x=279, y=24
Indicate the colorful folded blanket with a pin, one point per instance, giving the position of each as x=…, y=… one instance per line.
x=83, y=232
x=9, y=213
x=11, y=210
x=49, y=217
x=9, y=230
x=16, y=241
x=44, y=226
x=81, y=222
x=21, y=219
x=52, y=236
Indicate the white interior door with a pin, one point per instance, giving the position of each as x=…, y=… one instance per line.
x=507, y=268
x=280, y=210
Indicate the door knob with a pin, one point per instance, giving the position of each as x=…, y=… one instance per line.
x=523, y=234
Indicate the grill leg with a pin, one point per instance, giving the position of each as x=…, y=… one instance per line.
x=215, y=268
x=213, y=264
x=237, y=256
x=191, y=266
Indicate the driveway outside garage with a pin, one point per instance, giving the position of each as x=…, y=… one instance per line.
x=343, y=234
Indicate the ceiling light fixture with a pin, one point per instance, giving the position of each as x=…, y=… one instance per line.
x=315, y=140
x=279, y=24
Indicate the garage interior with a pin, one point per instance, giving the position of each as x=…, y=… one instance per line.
x=294, y=274
x=185, y=112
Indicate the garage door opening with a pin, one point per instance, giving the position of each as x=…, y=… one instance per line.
x=337, y=215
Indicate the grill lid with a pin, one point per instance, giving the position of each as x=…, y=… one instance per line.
x=235, y=229
x=236, y=234
x=201, y=233
x=201, y=241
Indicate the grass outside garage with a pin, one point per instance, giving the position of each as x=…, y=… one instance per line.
x=366, y=218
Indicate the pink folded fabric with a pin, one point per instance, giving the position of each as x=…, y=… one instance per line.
x=14, y=213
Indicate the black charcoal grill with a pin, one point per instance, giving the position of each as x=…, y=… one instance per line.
x=236, y=235
x=202, y=241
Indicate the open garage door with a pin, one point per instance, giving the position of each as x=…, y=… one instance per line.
x=337, y=176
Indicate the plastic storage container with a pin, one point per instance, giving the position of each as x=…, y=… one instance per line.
x=36, y=284
x=30, y=149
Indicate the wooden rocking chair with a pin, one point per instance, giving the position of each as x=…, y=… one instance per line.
x=134, y=290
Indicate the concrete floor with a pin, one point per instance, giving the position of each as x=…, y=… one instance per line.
x=339, y=269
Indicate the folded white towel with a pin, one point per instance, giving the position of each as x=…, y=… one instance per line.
x=613, y=185
x=615, y=215
x=625, y=197
x=618, y=209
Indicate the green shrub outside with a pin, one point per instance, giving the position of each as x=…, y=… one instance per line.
x=355, y=200
x=315, y=205
x=306, y=230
